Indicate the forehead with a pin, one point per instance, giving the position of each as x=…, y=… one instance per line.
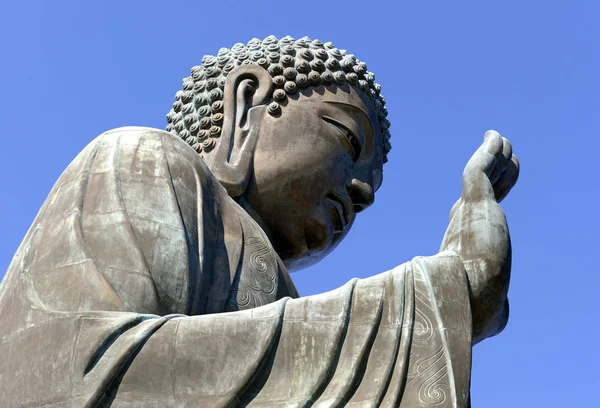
x=346, y=97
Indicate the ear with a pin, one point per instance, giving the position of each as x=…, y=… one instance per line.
x=247, y=86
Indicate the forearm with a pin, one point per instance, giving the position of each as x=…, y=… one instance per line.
x=489, y=302
x=482, y=241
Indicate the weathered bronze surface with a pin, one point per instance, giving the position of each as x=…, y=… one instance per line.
x=156, y=272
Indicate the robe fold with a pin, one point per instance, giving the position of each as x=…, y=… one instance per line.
x=141, y=283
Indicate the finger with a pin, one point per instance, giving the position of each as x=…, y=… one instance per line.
x=503, y=161
x=485, y=158
x=508, y=179
x=490, y=133
x=476, y=183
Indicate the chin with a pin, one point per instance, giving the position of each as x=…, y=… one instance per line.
x=318, y=243
x=309, y=259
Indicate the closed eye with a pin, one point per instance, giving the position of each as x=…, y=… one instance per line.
x=350, y=140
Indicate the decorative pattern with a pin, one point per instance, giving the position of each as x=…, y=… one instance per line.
x=256, y=283
x=293, y=64
x=428, y=377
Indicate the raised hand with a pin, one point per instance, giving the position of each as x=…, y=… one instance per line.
x=478, y=232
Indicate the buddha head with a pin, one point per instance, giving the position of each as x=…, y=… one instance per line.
x=295, y=130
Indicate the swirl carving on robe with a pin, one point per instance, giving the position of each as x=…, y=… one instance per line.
x=428, y=375
x=256, y=280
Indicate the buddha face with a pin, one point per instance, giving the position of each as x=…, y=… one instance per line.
x=316, y=165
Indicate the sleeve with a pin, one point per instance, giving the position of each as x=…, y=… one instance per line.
x=342, y=348
x=355, y=346
x=400, y=338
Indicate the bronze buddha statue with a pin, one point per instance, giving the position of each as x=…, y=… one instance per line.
x=156, y=272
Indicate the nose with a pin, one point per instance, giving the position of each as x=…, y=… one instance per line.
x=361, y=194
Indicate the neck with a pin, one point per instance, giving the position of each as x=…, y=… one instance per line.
x=261, y=223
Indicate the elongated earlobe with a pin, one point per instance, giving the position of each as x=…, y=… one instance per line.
x=247, y=86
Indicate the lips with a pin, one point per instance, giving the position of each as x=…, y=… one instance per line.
x=340, y=211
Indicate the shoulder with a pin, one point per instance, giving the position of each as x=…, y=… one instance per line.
x=148, y=150
x=140, y=135
x=135, y=130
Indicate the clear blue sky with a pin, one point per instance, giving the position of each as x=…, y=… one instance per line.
x=449, y=71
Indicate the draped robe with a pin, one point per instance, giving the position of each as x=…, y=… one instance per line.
x=141, y=283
